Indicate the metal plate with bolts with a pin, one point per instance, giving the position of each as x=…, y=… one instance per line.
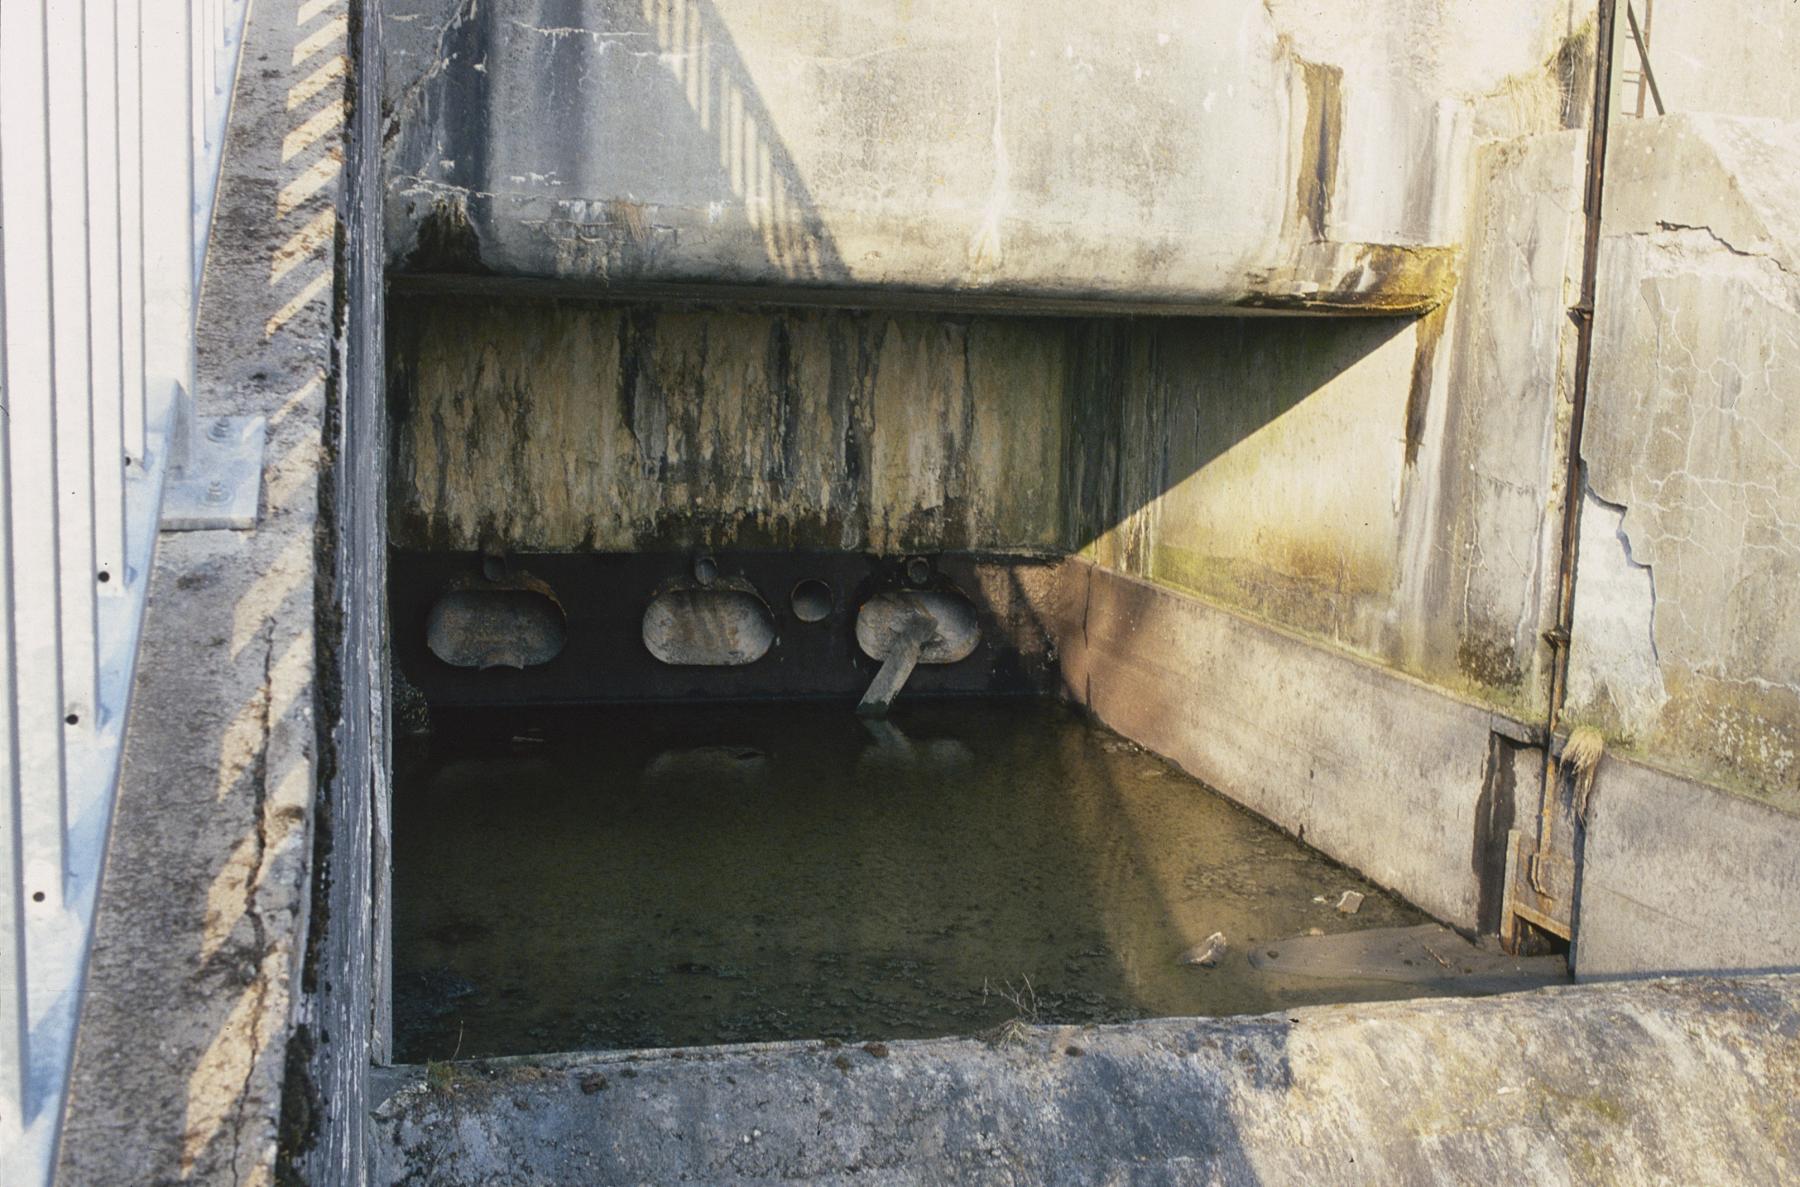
x=220, y=484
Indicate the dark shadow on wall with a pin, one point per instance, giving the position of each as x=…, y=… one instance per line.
x=1155, y=401
x=565, y=425
x=533, y=101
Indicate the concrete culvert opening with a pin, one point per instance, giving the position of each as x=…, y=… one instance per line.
x=677, y=831
x=811, y=601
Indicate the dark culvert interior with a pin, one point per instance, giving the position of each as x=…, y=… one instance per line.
x=648, y=562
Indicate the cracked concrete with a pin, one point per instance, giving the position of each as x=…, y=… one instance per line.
x=1691, y=433
x=180, y=1052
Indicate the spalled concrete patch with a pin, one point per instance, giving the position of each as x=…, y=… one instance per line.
x=1691, y=434
x=1660, y=1082
x=183, y=1033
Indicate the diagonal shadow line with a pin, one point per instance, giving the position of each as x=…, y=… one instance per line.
x=695, y=53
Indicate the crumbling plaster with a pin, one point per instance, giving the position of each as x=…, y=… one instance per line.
x=1692, y=435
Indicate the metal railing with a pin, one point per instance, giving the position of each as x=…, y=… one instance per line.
x=112, y=125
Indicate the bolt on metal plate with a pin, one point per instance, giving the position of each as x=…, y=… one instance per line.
x=220, y=483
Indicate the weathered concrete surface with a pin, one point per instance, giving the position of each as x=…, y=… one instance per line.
x=563, y=426
x=1390, y=487
x=1025, y=151
x=1683, y=1082
x=1254, y=462
x=1482, y=500
x=1405, y=783
x=1718, y=57
x=178, y=1064
x=1679, y=877
x=1689, y=586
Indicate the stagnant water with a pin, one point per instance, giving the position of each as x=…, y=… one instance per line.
x=615, y=878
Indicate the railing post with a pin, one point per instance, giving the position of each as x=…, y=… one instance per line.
x=72, y=338
x=131, y=229
x=215, y=477
x=106, y=274
x=166, y=63
x=32, y=508
x=15, y=1030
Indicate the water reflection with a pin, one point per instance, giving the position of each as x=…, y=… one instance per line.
x=675, y=876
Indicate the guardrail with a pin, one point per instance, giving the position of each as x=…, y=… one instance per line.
x=112, y=127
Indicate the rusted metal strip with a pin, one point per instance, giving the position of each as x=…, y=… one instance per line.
x=1559, y=635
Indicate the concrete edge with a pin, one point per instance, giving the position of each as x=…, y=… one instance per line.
x=1683, y=1081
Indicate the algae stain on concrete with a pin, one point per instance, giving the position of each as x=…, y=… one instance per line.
x=1317, y=175
x=567, y=426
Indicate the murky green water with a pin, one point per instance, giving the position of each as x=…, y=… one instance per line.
x=606, y=878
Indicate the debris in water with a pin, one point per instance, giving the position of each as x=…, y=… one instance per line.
x=1350, y=902
x=907, y=638
x=1207, y=953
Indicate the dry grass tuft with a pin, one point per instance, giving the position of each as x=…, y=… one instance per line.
x=1582, y=755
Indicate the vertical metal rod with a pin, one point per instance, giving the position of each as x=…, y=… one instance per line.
x=71, y=330
x=105, y=276
x=31, y=446
x=168, y=156
x=131, y=229
x=1583, y=313
x=15, y=1029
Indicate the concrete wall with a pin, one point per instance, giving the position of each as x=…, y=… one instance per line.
x=1391, y=487
x=1619, y=1084
x=1722, y=57
x=1685, y=648
x=1060, y=150
x=1677, y=877
x=543, y=426
x=1413, y=787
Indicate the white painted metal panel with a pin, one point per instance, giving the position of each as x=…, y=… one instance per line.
x=98, y=258
x=72, y=369
x=131, y=228
x=105, y=290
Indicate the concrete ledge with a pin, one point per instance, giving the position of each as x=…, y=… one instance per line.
x=1384, y=773
x=1687, y=1082
x=1678, y=876
x=205, y=901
